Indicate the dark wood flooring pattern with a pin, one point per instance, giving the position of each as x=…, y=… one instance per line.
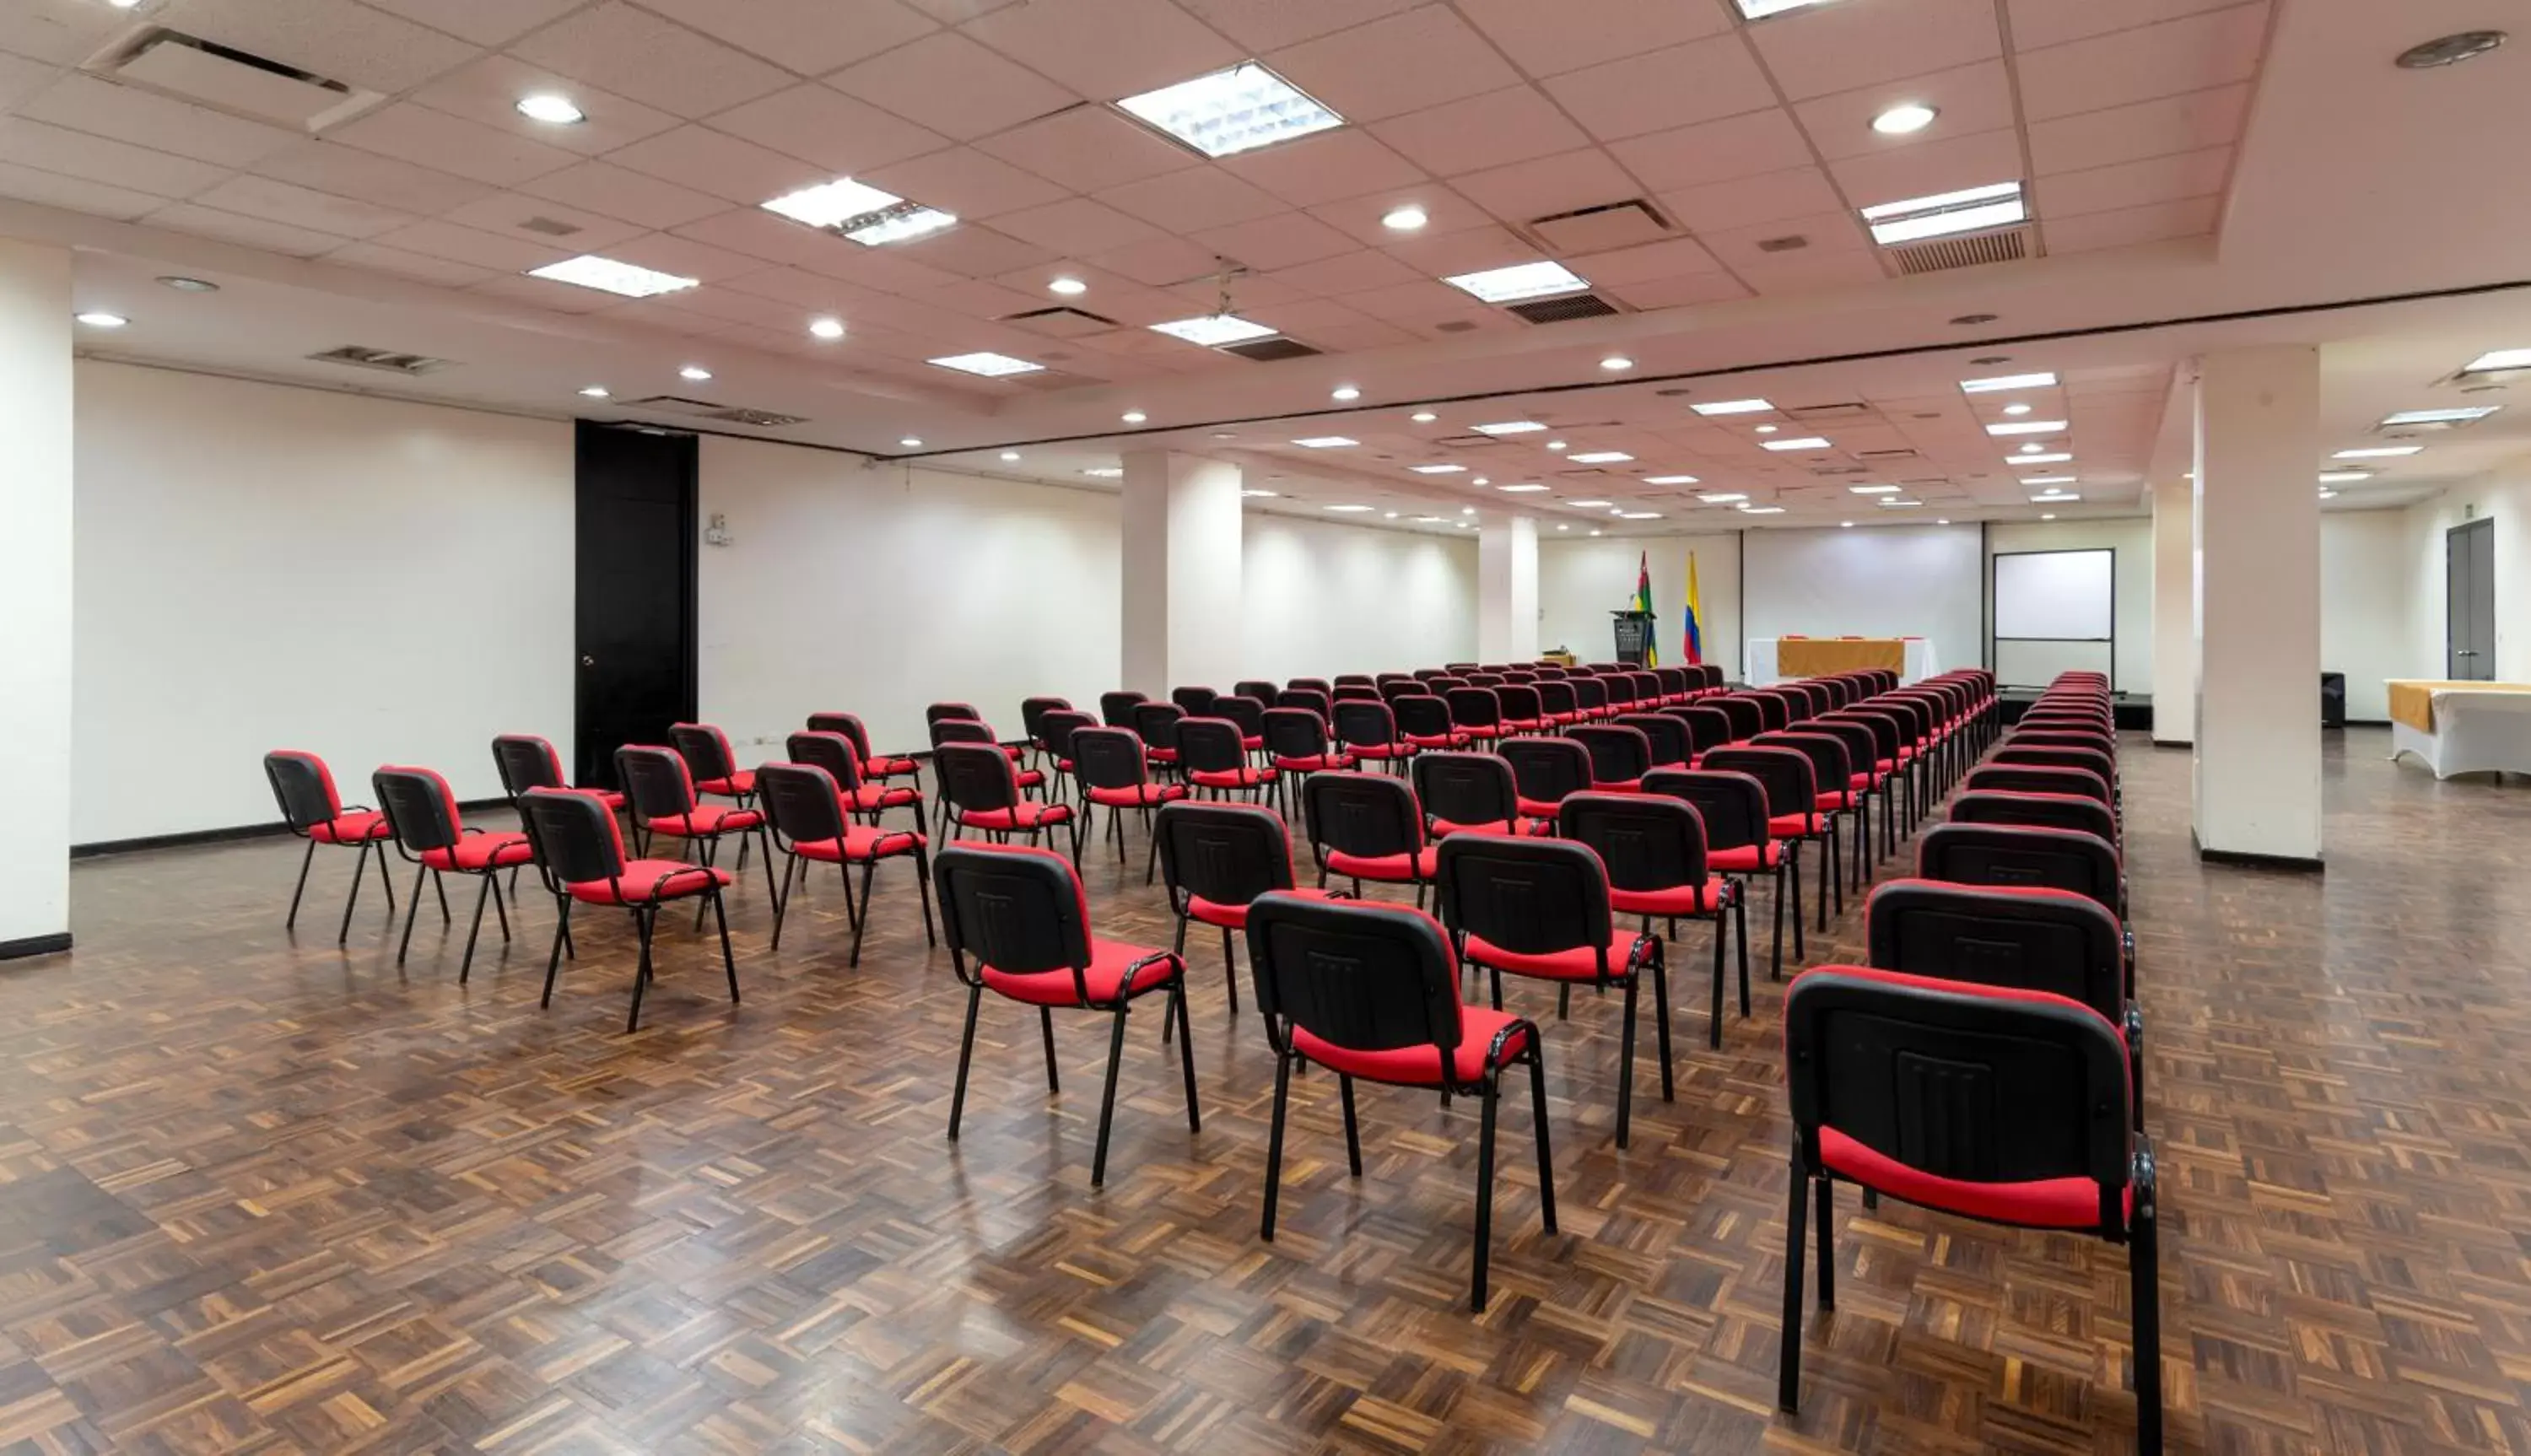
x=265, y=1197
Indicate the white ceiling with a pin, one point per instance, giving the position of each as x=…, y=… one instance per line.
x=2185, y=159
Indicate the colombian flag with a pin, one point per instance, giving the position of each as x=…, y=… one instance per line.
x=1644, y=604
x=1695, y=615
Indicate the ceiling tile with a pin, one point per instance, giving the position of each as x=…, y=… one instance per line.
x=1838, y=48
x=1468, y=251
x=1680, y=86
x=808, y=36
x=824, y=126
x=1682, y=291
x=954, y=86
x=1418, y=298
x=1183, y=201
x=1364, y=218
x=2155, y=222
x=1371, y=333
x=296, y=206
x=32, y=143
x=1976, y=97
x=2192, y=54
x=446, y=240
x=965, y=181
x=1111, y=294
x=1105, y=49
x=1487, y=131
x=418, y=134
x=2042, y=23
x=1087, y=148
x=1737, y=249
x=800, y=288
x=250, y=231
x=1353, y=272
x=483, y=22
x=633, y=53
x=1262, y=26
x=58, y=32
x=490, y=89
x=1747, y=202
x=78, y=193
x=1155, y=262
x=403, y=264
x=1921, y=171
x=1545, y=39
x=988, y=299
x=1742, y=146
x=611, y=190
x=542, y=292
x=1777, y=274
x=1277, y=242
x=687, y=257
x=687, y=306
x=973, y=252
x=1076, y=225
x=21, y=78
x=761, y=234
x=125, y=113
x=1344, y=163
x=709, y=161
x=2169, y=179
x=1665, y=260
x=507, y=215
x=1390, y=66
x=2147, y=128
x=1547, y=185
x=350, y=43
x=349, y=172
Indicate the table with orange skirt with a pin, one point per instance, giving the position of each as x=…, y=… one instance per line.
x=1776, y=660
x=2455, y=727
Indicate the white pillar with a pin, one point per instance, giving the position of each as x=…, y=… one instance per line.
x=1181, y=596
x=35, y=597
x=2258, y=603
x=1507, y=591
x=2175, y=613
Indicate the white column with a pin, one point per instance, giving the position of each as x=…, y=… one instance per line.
x=2175, y=613
x=2258, y=603
x=1181, y=595
x=1507, y=591
x=35, y=597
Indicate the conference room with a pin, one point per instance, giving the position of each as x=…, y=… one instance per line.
x=1264, y=725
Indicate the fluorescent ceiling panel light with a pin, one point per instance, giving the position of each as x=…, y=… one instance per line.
x=607, y=275
x=2026, y=428
x=1231, y=111
x=832, y=203
x=1997, y=205
x=99, y=318
x=1523, y=490
x=1344, y=510
x=2376, y=452
x=2343, y=477
x=1251, y=494
x=1638, y=515
x=2058, y=456
x=1325, y=443
x=599, y=392
x=1898, y=503
x=1432, y=519
x=696, y=372
x=1759, y=10
x=1999, y=382
x=2328, y=495
x=1599, y=457
x=2048, y=481
x=1761, y=510
x=1873, y=490
x=2442, y=417
x=2501, y=359
x=1510, y=427
x=1520, y=281
x=1669, y=479
x=1724, y=498
x=987, y=363
x=1437, y=469
x=1214, y=330
x=898, y=223
x=550, y=108
x=2053, y=498
x=1806, y=442
x=1105, y=473
x=1590, y=502
x=1732, y=407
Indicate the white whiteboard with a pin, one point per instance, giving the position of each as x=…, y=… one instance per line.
x=1877, y=580
x=2066, y=595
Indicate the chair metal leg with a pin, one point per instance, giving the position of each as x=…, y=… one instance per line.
x=1353, y=1131
x=305, y=861
x=554, y=958
x=388, y=886
x=360, y=871
x=475, y=931
x=861, y=920
x=1107, y=1099
x=1274, y=1142
x=1485, y=1184
x=728, y=960
x=1626, y=1063
x=412, y=904
x=782, y=900
x=1793, y=862
x=1186, y=1049
x=1660, y=1027
x=1537, y=1131
x=2145, y=1306
x=641, y=973
x=500, y=905
x=1775, y=967
x=1231, y=970
x=1740, y=935
x=922, y=893
x=1825, y=1194
x=1789, y=1358
x=1046, y=1023
x=967, y=1053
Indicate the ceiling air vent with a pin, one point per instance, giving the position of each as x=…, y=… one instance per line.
x=1466, y=442
x=1598, y=228
x=1265, y=351
x=1454, y=326
x=551, y=227
x=761, y=419
x=1835, y=471
x=1061, y=322
x=678, y=404
x=386, y=360
x=2009, y=246
x=1887, y=457
x=1828, y=413
x=226, y=78
x=1789, y=243
x=1558, y=310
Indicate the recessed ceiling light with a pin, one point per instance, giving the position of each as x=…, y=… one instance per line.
x=1616, y=510
x=1519, y=281
x=2343, y=477
x=1761, y=510
x=1109, y=472
x=1345, y=510
x=898, y=223
x=1404, y=219
x=2007, y=381
x=2048, y=515
x=1523, y=490
x=182, y=284
x=1722, y=498
x=1768, y=430
x=2016, y=410
x=1806, y=442
x=1555, y=444
x=96, y=319
x=695, y=372
x=1069, y=287
x=1904, y=118
x=2442, y=417
x=1600, y=456
x=1615, y=362
x=549, y=107
x=607, y=275
x=1759, y=10
x=1944, y=521
x=1848, y=525
x=1873, y=490
x=1344, y=394
x=1467, y=510
x=2045, y=457
x=1388, y=515
x=1591, y=503
x=2032, y=448
x=1996, y=204
x=1510, y=427
x=2048, y=480
x=1563, y=526
x=2055, y=496
x=1732, y=407
x=2376, y=452
x=1325, y=443
x=1437, y=469
x=2328, y=495
x=1594, y=532
x=1251, y=494
x=1422, y=416
x=1638, y=515
x=1236, y=110
x=1894, y=503
x=1134, y=417
x=1480, y=480
x=1214, y=330
x=596, y=392
x=1669, y=479
x=987, y=363
x=1432, y=519
x=1010, y=456
x=2501, y=359
x=2026, y=428
x=910, y=442
x=826, y=328
x=832, y=204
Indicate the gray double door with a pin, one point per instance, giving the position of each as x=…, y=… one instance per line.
x=2469, y=603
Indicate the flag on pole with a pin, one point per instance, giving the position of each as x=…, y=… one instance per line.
x=1644, y=604
x=1695, y=615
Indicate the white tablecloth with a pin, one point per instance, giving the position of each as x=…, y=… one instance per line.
x=2473, y=732
x=1758, y=666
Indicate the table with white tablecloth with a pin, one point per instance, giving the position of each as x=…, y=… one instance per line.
x=1760, y=667
x=2459, y=727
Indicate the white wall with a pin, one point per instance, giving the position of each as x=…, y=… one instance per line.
x=1897, y=581
x=2132, y=540
x=2503, y=495
x=1322, y=598
x=36, y=649
x=1581, y=581
x=261, y=567
x=2366, y=600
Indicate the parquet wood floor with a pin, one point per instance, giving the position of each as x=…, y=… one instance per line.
x=267, y=1196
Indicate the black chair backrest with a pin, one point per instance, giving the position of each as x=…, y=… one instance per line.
x=420, y=809
x=1644, y=841
x=803, y=802
x=936, y=712
x=1032, y=711
x=657, y=782
x=1319, y=686
x=1365, y=977
x=2025, y=778
x=1056, y=728
x=1197, y=701
x=1673, y=680
x=961, y=730
x=1556, y=697
x=1474, y=707
x=2043, y=737
x=1862, y=748
x=1883, y=727
x=705, y=750
x=1117, y=709
x=574, y=836
x=2040, y=810
x=1228, y=854
x=1747, y=722
x=1547, y=769
x=847, y=724
x=1157, y=723
x=1107, y=759
x=2017, y=856
x=831, y=751
x=1619, y=755
x=1665, y=737
x=1731, y=804
x=302, y=787
x=1792, y=783
x=1466, y=789
x=1298, y=733
x=1393, y=688
x=1485, y=679
x=2055, y=755
x=1211, y=745
x=1830, y=768
x=1522, y=894
x=1019, y=911
x=1369, y=814
x=1354, y=680
x=1706, y=727
x=1316, y=700
x=526, y=762
x=1959, y=1081
x=1804, y=700
x=1591, y=694
x=1248, y=712
x=2057, y=941
x=1774, y=709
x=976, y=778
x=1520, y=703
x=1255, y=688
x=1422, y=714
x=1365, y=724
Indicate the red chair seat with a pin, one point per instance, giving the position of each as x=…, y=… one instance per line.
x=706, y=819
x=741, y=782
x=1831, y=803
x=1481, y=731
x=891, y=767
x=1030, y=778
x=1425, y=863
x=1543, y=824
x=1235, y=917
x=1436, y=740
x=1701, y=899
x=1580, y=963
x=613, y=801
x=1381, y=750
x=872, y=798
x=1232, y=778
x=1618, y=786
x=1018, y=816
x=356, y=827
x=1536, y=808
x=649, y=882
x=1421, y=1066
x=1523, y=725
x=1109, y=960
x=478, y=852
x=2046, y=1203
x=1252, y=742
x=1138, y=796
x=1161, y=756
x=860, y=842
x=1315, y=762
x=1745, y=858
x=1792, y=826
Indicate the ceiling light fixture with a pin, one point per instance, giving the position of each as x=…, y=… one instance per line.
x=1732, y=407
x=551, y=108
x=1599, y=457
x=1873, y=489
x=1594, y=532
x=1437, y=469
x=1010, y=457
x=1724, y=498
x=1388, y=515
x=1903, y=119
x=595, y=392
x=1894, y=503
x=1968, y=210
x=1510, y=427
x=2026, y=428
x=1535, y=280
x=2000, y=382
x=1422, y=416
x=694, y=374
x=190, y=285
x=1806, y=442
x=985, y=363
x=826, y=328
x=1522, y=489
x=607, y=275
x=1480, y=480
x=1325, y=443
x=99, y=320
x=1759, y=10
x=2048, y=480
x=2449, y=50
x=2343, y=477
x=864, y=213
x=1467, y=510
x=2501, y=359
x=1251, y=494
x=1669, y=479
x=1761, y=510
x=2045, y=457
x=1617, y=362
x=1232, y=111
x=1555, y=444
x=910, y=442
x=1638, y=515
x=1848, y=525
x=2032, y=447
x=1768, y=430
x=1214, y=330
x=1108, y=473
x=1134, y=417
x=2328, y=495
x=1345, y=510
x=1563, y=526
x=2016, y=410
x=1069, y=287
x=2376, y=452
x=1944, y=521
x=1594, y=504
x=1344, y=394
x=1404, y=219
x=2442, y=417
x=2048, y=515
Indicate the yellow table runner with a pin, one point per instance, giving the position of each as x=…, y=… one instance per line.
x=2412, y=699
x=1817, y=656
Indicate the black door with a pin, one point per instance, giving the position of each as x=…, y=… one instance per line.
x=2469, y=603
x=636, y=563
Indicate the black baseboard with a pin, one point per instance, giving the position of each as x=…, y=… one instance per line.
x=2366, y=723
x=193, y=837
x=34, y=945
x=2300, y=864
x=2172, y=743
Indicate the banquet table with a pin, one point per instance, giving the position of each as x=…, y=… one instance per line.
x=2455, y=727
x=1773, y=659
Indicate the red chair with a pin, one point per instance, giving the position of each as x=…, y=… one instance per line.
x=1545, y=772
x=811, y=818
x=980, y=790
x=664, y=803
x=1391, y=1014
x=1793, y=815
x=835, y=753
x=580, y=855
x=303, y=787
x=1652, y=847
x=526, y=762
x=1425, y=722
x=421, y=812
x=1212, y=754
x=710, y=763
x=1732, y=809
x=881, y=766
x=1216, y=858
x=1368, y=731
x=1115, y=775
x=1021, y=917
x=1470, y=793
x=1366, y=827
